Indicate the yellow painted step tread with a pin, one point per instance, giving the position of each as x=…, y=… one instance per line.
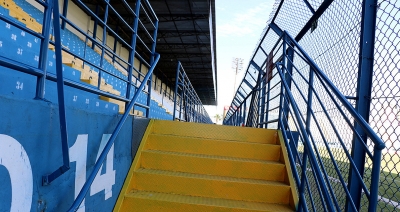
x=206, y=146
x=213, y=165
x=211, y=186
x=210, y=177
x=213, y=157
x=200, y=130
x=153, y=201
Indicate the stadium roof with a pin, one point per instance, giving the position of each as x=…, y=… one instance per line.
x=186, y=33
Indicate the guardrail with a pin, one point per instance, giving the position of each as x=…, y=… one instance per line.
x=110, y=142
x=306, y=100
x=187, y=104
x=54, y=23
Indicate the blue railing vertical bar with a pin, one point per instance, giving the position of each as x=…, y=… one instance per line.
x=364, y=88
x=40, y=90
x=132, y=53
x=47, y=179
x=187, y=104
x=152, y=57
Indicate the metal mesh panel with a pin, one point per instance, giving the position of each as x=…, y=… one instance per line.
x=334, y=45
x=385, y=101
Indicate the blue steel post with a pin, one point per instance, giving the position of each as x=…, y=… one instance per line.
x=308, y=122
x=47, y=179
x=267, y=103
x=176, y=89
x=43, y=60
x=263, y=93
x=115, y=44
x=364, y=86
x=131, y=60
x=182, y=108
x=95, y=25
x=244, y=112
x=64, y=13
x=104, y=41
x=289, y=53
x=153, y=51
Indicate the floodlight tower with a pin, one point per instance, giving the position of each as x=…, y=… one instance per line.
x=237, y=65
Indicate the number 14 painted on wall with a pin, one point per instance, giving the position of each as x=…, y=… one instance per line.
x=16, y=160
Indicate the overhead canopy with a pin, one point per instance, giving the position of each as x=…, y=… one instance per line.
x=186, y=33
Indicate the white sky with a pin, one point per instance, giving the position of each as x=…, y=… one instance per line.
x=239, y=26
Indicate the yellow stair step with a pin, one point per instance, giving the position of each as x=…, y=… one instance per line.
x=213, y=147
x=212, y=131
x=211, y=186
x=213, y=165
x=144, y=201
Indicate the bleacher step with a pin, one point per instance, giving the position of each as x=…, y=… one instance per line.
x=153, y=201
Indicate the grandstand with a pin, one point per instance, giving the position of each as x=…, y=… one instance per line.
x=102, y=108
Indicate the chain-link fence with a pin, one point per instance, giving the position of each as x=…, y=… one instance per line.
x=330, y=32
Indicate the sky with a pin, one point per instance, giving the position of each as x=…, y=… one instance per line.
x=239, y=25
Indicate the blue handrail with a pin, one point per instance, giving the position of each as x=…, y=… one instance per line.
x=110, y=142
x=186, y=101
x=281, y=81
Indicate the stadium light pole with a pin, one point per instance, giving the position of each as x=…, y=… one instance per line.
x=237, y=65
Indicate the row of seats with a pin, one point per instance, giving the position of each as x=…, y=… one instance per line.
x=22, y=16
x=24, y=47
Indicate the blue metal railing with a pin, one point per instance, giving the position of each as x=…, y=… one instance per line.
x=187, y=104
x=53, y=17
x=110, y=142
x=294, y=93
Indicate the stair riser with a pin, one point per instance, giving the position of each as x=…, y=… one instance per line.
x=149, y=205
x=211, y=166
x=218, y=132
x=214, y=147
x=212, y=188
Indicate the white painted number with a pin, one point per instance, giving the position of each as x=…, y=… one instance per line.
x=13, y=36
x=36, y=58
x=87, y=101
x=20, y=85
x=1, y=43
x=78, y=153
x=29, y=44
x=8, y=26
x=14, y=158
x=75, y=98
x=107, y=180
x=20, y=51
x=97, y=104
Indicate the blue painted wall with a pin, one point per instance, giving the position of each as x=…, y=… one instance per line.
x=34, y=125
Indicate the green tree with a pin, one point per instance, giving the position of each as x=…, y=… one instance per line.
x=217, y=117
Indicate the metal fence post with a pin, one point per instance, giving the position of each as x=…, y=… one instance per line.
x=176, y=89
x=153, y=51
x=289, y=53
x=41, y=82
x=364, y=86
x=132, y=52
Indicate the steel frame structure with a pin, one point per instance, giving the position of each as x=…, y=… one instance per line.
x=187, y=104
x=254, y=106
